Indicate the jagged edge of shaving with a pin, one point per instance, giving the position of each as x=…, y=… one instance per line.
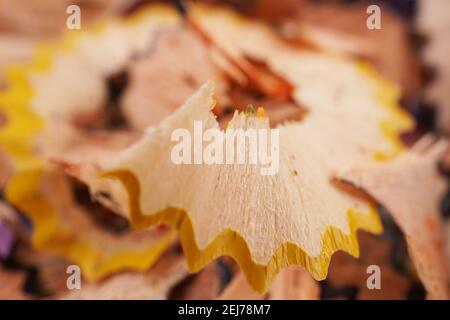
x=230, y=242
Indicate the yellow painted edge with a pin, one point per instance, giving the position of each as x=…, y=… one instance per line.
x=231, y=243
x=22, y=189
x=398, y=121
x=49, y=235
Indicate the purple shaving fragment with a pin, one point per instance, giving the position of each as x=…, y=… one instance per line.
x=7, y=238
